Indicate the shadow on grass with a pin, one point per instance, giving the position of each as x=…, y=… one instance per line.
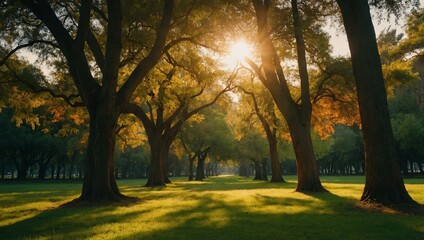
x=216, y=218
x=218, y=208
x=369, y=207
x=69, y=222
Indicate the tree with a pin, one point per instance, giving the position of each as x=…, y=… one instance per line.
x=296, y=113
x=252, y=147
x=99, y=29
x=190, y=157
x=27, y=148
x=184, y=83
x=384, y=182
x=345, y=154
x=133, y=162
x=407, y=122
x=413, y=43
x=268, y=120
x=209, y=138
x=408, y=130
x=176, y=100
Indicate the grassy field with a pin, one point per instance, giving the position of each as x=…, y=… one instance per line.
x=226, y=207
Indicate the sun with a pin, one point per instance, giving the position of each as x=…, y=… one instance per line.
x=237, y=51
x=240, y=49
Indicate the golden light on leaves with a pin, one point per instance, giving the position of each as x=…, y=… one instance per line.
x=77, y=119
x=327, y=114
x=138, y=100
x=57, y=114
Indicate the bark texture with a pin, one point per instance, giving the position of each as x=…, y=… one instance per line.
x=384, y=183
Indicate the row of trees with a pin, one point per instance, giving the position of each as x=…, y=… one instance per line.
x=41, y=153
x=158, y=62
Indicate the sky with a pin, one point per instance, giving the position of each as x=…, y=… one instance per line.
x=339, y=40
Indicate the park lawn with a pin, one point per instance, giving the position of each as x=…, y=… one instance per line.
x=226, y=207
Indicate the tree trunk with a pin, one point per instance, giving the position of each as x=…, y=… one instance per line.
x=22, y=166
x=42, y=171
x=200, y=173
x=420, y=166
x=52, y=168
x=22, y=169
x=190, y=167
x=64, y=171
x=3, y=170
x=71, y=166
x=264, y=169
x=165, y=164
x=215, y=169
x=258, y=170
x=81, y=170
x=22, y=173
x=276, y=173
x=99, y=175
x=59, y=168
x=307, y=170
x=404, y=164
x=156, y=176
x=384, y=183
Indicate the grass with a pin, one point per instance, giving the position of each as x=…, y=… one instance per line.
x=226, y=207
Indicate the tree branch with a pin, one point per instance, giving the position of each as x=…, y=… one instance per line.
x=29, y=44
x=38, y=89
x=258, y=112
x=76, y=60
x=83, y=25
x=140, y=114
x=301, y=57
x=152, y=58
x=96, y=50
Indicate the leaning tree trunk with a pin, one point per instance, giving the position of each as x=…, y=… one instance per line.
x=99, y=175
x=384, y=183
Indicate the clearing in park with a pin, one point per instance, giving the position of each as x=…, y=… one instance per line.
x=225, y=207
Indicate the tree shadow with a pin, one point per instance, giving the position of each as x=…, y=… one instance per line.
x=208, y=210
x=71, y=222
x=369, y=207
x=214, y=217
